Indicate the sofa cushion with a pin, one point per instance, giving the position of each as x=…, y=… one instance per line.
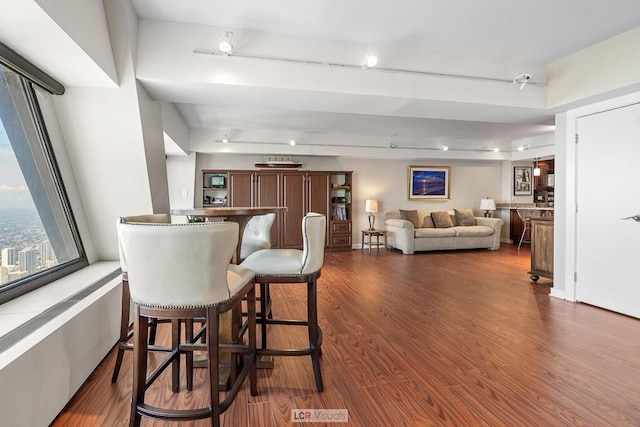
x=411, y=216
x=441, y=219
x=464, y=217
x=473, y=231
x=427, y=222
x=435, y=232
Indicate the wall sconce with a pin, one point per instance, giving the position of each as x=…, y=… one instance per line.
x=487, y=205
x=371, y=207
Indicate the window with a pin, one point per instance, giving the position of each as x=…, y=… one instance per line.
x=39, y=241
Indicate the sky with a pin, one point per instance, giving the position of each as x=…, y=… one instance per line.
x=14, y=192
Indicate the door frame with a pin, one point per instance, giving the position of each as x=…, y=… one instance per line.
x=565, y=236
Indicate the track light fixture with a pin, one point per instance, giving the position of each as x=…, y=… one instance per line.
x=389, y=146
x=225, y=140
x=369, y=61
x=522, y=79
x=225, y=45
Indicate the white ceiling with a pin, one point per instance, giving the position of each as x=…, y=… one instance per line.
x=261, y=104
x=497, y=39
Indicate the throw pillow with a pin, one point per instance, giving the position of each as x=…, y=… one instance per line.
x=410, y=216
x=441, y=219
x=427, y=222
x=465, y=217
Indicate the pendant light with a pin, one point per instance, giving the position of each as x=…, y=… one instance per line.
x=536, y=170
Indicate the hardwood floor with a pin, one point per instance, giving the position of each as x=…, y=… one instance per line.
x=432, y=339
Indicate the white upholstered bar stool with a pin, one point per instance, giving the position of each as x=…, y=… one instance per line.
x=257, y=234
x=126, y=332
x=293, y=266
x=183, y=271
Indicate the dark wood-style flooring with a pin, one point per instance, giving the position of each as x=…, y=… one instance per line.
x=458, y=338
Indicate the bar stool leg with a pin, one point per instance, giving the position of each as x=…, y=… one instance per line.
x=214, y=374
x=124, y=328
x=264, y=303
x=314, y=338
x=141, y=335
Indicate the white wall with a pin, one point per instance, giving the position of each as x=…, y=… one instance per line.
x=114, y=142
x=385, y=180
x=181, y=174
x=175, y=129
x=90, y=33
x=596, y=72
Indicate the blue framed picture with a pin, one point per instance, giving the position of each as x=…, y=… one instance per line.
x=429, y=183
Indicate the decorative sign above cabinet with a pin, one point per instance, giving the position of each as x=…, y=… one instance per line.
x=278, y=163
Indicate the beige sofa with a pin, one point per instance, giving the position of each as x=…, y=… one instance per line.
x=401, y=233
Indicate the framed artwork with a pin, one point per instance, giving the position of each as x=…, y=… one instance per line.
x=429, y=183
x=522, y=181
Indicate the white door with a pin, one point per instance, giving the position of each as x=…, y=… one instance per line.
x=608, y=189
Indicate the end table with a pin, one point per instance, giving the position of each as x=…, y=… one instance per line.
x=377, y=244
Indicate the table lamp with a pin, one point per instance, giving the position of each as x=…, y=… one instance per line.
x=371, y=207
x=487, y=205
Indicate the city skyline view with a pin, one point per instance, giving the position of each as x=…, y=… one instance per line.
x=24, y=243
x=14, y=192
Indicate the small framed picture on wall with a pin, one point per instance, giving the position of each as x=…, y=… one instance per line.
x=522, y=181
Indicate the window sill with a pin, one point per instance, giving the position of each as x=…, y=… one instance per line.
x=19, y=312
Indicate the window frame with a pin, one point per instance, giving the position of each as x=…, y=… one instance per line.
x=29, y=76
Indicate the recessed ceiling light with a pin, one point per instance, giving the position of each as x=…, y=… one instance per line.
x=521, y=148
x=496, y=149
x=292, y=142
x=225, y=140
x=445, y=148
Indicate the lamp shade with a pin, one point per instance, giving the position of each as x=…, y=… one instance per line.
x=371, y=206
x=487, y=205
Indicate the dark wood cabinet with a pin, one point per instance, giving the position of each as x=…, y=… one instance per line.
x=301, y=192
x=516, y=227
x=253, y=189
x=541, y=248
x=340, y=218
x=293, y=197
